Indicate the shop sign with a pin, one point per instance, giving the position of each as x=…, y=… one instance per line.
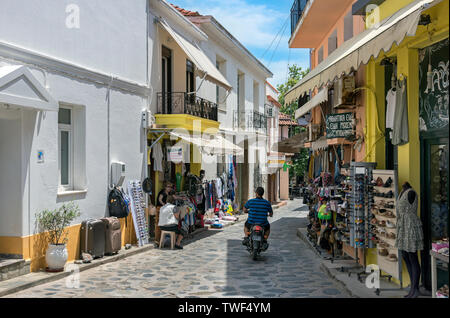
x=434, y=87
x=340, y=125
x=175, y=154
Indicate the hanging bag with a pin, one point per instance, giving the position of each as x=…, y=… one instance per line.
x=117, y=205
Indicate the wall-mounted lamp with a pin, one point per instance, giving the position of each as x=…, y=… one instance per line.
x=425, y=19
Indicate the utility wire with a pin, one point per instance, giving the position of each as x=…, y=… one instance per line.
x=278, y=44
x=276, y=36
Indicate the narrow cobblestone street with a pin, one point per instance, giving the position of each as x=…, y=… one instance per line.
x=213, y=265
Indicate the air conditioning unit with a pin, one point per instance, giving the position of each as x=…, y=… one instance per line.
x=343, y=92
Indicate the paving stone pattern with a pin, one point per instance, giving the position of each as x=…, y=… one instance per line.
x=214, y=265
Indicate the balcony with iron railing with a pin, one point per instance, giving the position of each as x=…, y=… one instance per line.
x=296, y=12
x=186, y=103
x=253, y=121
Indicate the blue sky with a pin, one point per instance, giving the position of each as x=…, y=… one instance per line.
x=256, y=23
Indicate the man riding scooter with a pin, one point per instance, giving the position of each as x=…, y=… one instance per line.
x=257, y=210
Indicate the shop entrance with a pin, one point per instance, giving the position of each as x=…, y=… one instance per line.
x=435, y=198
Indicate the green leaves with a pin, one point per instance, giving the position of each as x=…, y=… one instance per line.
x=55, y=222
x=300, y=160
x=296, y=73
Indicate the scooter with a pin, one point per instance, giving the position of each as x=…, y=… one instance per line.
x=256, y=241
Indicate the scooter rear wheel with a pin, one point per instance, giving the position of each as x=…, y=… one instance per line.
x=255, y=250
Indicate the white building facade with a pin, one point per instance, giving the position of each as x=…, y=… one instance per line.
x=74, y=80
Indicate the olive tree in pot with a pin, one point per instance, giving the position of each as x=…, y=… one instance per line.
x=55, y=223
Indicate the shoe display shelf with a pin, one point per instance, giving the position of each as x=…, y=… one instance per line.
x=384, y=223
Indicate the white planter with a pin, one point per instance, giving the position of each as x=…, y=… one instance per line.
x=56, y=257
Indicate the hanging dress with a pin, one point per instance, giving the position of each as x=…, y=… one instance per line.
x=409, y=227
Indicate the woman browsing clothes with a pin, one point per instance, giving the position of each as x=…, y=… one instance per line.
x=161, y=199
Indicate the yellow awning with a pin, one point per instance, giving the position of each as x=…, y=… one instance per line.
x=205, y=66
x=358, y=50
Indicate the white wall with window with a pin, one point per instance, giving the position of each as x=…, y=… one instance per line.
x=100, y=89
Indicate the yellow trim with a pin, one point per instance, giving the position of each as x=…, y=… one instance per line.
x=33, y=247
x=188, y=122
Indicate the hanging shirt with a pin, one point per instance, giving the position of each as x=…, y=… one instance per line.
x=218, y=185
x=158, y=157
x=391, y=98
x=400, y=133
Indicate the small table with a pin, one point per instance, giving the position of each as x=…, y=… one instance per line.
x=434, y=256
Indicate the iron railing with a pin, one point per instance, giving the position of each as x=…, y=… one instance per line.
x=250, y=120
x=296, y=12
x=186, y=103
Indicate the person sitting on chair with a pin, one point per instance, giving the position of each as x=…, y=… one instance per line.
x=168, y=219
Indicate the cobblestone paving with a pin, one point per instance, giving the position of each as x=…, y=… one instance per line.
x=214, y=265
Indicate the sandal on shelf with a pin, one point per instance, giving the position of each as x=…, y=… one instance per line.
x=382, y=223
x=389, y=215
x=388, y=183
x=374, y=221
x=392, y=258
x=379, y=182
x=390, y=236
x=390, y=225
x=383, y=252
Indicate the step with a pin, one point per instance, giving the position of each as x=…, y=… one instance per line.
x=11, y=268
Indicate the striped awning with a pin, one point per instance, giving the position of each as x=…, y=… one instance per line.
x=361, y=48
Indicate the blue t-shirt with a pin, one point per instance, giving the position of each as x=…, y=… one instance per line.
x=258, y=211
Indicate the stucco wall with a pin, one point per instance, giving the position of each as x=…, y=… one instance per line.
x=111, y=37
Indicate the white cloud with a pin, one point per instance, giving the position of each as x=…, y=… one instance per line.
x=253, y=25
x=280, y=70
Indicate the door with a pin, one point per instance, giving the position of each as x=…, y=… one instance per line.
x=435, y=195
x=166, y=81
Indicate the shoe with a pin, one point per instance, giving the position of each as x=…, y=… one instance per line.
x=390, y=225
x=383, y=252
x=388, y=183
x=389, y=195
x=178, y=247
x=389, y=215
x=379, y=182
x=245, y=241
x=265, y=246
x=392, y=258
x=382, y=223
x=390, y=236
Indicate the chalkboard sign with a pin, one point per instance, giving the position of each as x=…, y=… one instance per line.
x=340, y=125
x=434, y=86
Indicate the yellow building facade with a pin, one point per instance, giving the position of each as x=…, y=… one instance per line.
x=410, y=162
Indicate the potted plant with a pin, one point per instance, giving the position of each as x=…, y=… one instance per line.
x=55, y=222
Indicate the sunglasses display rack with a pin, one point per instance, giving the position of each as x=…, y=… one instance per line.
x=384, y=221
x=138, y=206
x=361, y=200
